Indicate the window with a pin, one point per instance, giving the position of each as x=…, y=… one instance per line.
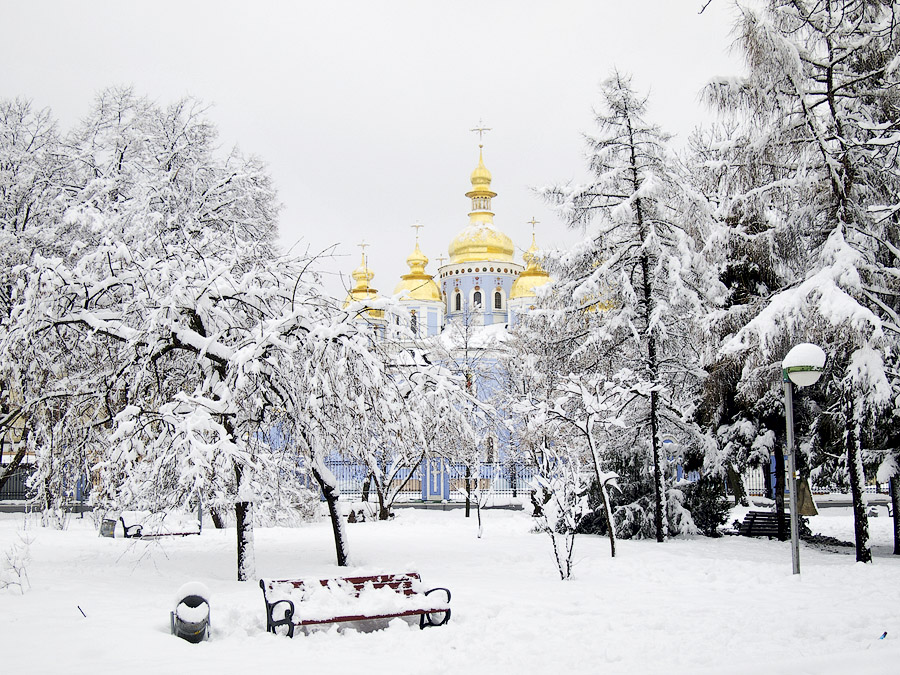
x=498, y=300
x=414, y=322
x=489, y=450
x=458, y=302
x=476, y=298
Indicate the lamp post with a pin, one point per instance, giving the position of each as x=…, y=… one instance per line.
x=801, y=366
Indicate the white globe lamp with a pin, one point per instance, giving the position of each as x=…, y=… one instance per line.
x=803, y=366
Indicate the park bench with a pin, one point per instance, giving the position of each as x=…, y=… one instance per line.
x=762, y=524
x=145, y=525
x=292, y=603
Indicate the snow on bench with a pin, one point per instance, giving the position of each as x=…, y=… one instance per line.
x=307, y=602
x=147, y=525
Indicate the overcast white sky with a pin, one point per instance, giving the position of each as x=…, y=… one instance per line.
x=362, y=108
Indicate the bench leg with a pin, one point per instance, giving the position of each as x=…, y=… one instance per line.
x=425, y=619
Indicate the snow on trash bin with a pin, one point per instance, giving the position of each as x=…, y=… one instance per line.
x=190, y=619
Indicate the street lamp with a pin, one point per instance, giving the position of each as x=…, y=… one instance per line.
x=801, y=366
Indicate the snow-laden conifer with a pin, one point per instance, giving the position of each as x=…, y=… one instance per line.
x=815, y=120
x=632, y=282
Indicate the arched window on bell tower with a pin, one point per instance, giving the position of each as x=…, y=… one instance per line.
x=498, y=300
x=476, y=298
x=413, y=322
x=457, y=302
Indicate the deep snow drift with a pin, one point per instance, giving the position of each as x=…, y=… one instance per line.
x=99, y=605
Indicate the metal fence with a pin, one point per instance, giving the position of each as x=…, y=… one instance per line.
x=755, y=482
x=507, y=480
x=503, y=480
x=16, y=487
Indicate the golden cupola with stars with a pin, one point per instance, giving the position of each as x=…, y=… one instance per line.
x=532, y=277
x=418, y=285
x=480, y=240
x=362, y=289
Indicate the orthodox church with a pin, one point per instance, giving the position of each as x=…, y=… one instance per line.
x=481, y=283
x=481, y=289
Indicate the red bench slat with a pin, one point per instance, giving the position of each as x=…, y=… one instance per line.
x=402, y=584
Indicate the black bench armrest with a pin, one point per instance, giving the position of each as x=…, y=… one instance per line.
x=446, y=590
x=271, y=622
x=441, y=617
x=131, y=531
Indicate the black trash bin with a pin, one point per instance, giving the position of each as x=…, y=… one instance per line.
x=190, y=620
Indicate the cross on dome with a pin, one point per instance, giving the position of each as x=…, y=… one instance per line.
x=481, y=130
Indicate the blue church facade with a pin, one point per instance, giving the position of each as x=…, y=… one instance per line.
x=479, y=287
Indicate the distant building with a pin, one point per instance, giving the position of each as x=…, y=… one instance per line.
x=481, y=291
x=481, y=283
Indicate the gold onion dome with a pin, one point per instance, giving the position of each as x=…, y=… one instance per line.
x=532, y=277
x=481, y=177
x=361, y=290
x=418, y=285
x=480, y=240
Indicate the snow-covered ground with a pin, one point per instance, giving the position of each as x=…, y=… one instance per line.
x=686, y=606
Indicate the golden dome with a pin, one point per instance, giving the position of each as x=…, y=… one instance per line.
x=418, y=285
x=532, y=277
x=361, y=290
x=480, y=240
x=481, y=177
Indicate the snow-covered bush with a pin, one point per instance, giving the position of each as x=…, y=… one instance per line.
x=13, y=574
x=562, y=502
x=301, y=506
x=705, y=501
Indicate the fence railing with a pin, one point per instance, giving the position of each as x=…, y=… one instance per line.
x=755, y=482
x=16, y=487
x=508, y=479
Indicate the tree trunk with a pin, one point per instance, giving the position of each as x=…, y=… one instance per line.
x=783, y=533
x=468, y=490
x=604, y=495
x=857, y=489
x=331, y=494
x=610, y=521
x=660, y=519
x=383, y=510
x=218, y=520
x=12, y=466
x=895, y=502
x=737, y=486
x=243, y=512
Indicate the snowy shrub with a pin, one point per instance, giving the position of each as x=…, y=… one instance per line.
x=635, y=520
x=13, y=572
x=301, y=507
x=705, y=501
x=679, y=518
x=560, y=503
x=634, y=513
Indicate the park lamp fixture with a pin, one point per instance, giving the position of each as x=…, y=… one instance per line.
x=802, y=365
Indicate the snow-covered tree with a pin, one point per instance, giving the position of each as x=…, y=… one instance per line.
x=820, y=103
x=471, y=352
x=29, y=175
x=409, y=414
x=148, y=350
x=632, y=280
